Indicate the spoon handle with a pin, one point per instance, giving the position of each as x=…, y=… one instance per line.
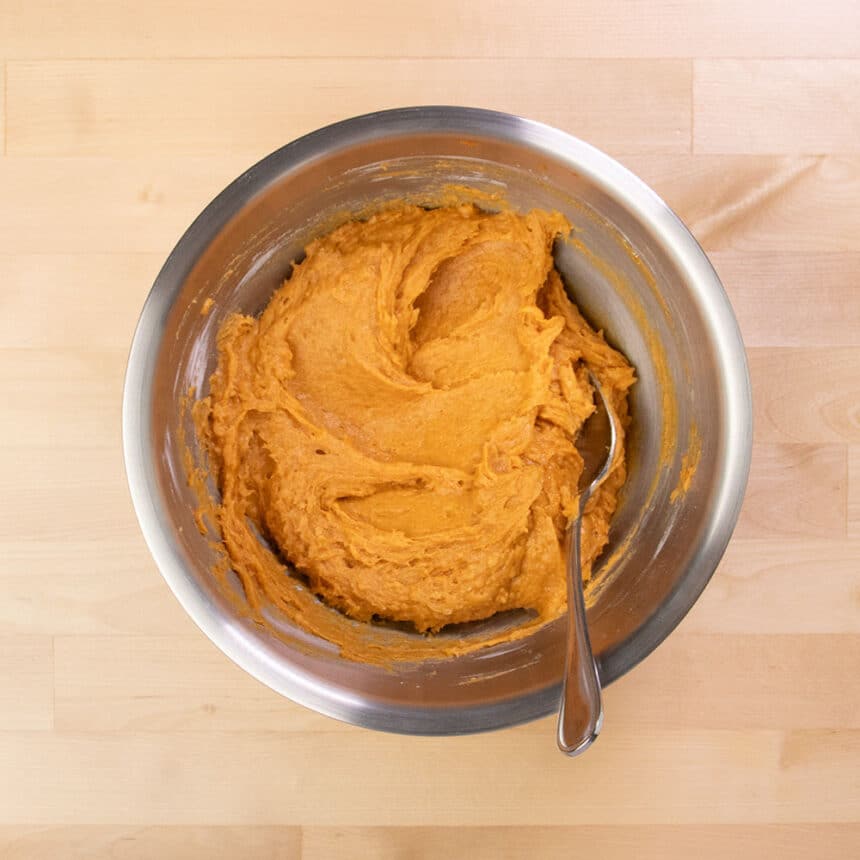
x=581, y=712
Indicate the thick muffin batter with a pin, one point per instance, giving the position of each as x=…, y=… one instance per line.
x=399, y=423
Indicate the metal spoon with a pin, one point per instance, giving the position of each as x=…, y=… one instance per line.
x=580, y=715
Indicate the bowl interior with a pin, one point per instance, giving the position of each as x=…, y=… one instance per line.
x=630, y=267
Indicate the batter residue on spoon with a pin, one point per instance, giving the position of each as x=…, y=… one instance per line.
x=399, y=423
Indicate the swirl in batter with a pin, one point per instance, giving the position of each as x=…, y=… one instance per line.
x=399, y=424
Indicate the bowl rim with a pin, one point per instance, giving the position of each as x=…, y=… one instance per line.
x=615, y=180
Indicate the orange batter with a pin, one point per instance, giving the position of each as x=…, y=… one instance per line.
x=399, y=423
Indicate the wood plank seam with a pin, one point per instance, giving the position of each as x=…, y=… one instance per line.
x=86, y=108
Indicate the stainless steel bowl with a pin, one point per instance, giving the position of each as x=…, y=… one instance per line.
x=635, y=270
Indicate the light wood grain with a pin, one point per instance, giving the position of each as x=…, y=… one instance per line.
x=124, y=733
x=796, y=491
x=28, y=702
x=705, y=842
x=777, y=681
x=755, y=204
x=111, y=286
x=771, y=294
x=146, y=843
x=130, y=205
x=645, y=842
x=715, y=776
x=806, y=395
x=807, y=585
x=771, y=106
x=92, y=389
x=335, y=28
x=210, y=107
x=141, y=684
x=107, y=585
x=86, y=491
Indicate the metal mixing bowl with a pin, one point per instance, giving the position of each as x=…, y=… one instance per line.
x=636, y=272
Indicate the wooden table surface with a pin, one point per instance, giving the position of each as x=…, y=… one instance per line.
x=124, y=733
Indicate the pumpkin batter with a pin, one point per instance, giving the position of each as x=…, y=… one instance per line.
x=399, y=423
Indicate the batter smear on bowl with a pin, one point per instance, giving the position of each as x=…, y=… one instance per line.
x=399, y=423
